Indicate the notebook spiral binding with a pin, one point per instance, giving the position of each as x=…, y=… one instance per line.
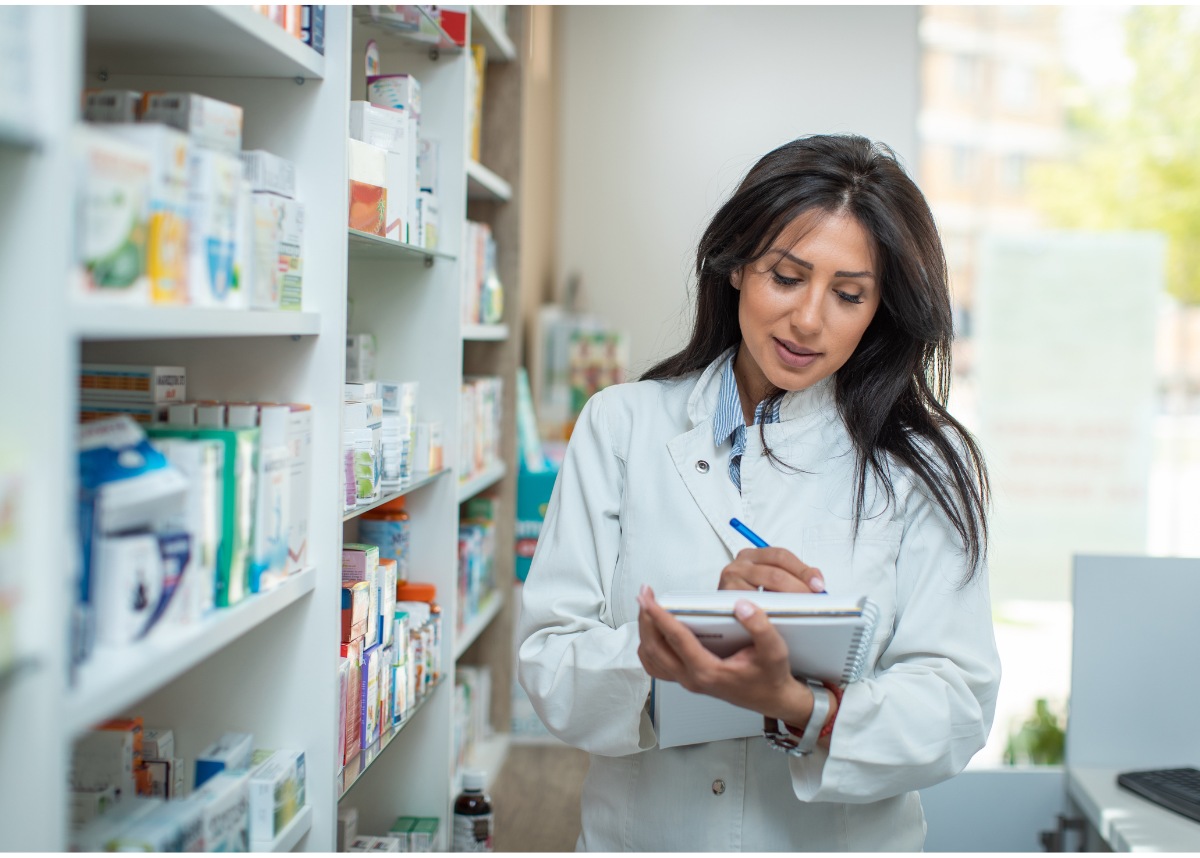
x=856, y=658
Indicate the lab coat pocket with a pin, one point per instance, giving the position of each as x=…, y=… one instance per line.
x=866, y=565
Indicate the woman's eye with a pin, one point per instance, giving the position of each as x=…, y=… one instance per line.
x=784, y=281
x=851, y=299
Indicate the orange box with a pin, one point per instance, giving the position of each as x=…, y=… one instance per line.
x=368, y=208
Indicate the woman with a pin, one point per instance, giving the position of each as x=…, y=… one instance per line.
x=809, y=403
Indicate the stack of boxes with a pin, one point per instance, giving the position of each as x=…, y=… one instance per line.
x=172, y=212
x=481, y=414
x=128, y=792
x=392, y=169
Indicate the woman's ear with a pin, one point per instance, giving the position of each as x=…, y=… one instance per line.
x=735, y=278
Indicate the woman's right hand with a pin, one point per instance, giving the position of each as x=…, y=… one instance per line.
x=771, y=568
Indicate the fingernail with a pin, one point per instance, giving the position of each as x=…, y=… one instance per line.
x=817, y=583
x=743, y=610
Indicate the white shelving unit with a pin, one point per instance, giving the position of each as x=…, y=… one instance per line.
x=268, y=665
x=485, y=333
x=483, y=184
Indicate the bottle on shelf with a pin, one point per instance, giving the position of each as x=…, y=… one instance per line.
x=474, y=821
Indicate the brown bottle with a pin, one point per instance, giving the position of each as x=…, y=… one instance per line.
x=474, y=822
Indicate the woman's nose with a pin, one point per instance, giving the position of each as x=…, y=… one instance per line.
x=807, y=315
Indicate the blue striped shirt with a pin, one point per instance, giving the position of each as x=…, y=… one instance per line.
x=728, y=420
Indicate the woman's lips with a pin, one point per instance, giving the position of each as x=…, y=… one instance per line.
x=795, y=356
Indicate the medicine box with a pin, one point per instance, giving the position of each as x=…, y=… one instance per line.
x=167, y=239
x=367, y=171
x=343, y=682
x=177, y=826
x=265, y=288
x=277, y=794
x=100, y=835
x=166, y=778
x=144, y=413
x=360, y=562
x=210, y=123
x=347, y=827
x=239, y=466
x=224, y=802
x=356, y=603
x=215, y=181
x=370, y=695
x=229, y=753
x=378, y=126
x=397, y=91
x=88, y=804
x=110, y=756
x=158, y=743
x=361, y=844
x=358, y=391
x=290, y=255
x=269, y=173
x=132, y=382
x=111, y=105
x=113, y=202
x=384, y=844
x=300, y=446
x=352, y=652
x=387, y=598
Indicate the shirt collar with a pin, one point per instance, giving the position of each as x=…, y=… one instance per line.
x=728, y=417
x=816, y=402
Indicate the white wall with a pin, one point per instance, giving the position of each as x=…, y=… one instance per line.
x=664, y=108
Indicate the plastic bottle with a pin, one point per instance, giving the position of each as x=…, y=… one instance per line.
x=474, y=821
x=389, y=527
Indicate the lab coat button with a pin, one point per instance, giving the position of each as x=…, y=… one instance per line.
x=718, y=786
x=702, y=466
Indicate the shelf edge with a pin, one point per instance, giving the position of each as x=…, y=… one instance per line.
x=88, y=704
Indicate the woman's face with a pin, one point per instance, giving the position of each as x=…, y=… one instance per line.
x=804, y=304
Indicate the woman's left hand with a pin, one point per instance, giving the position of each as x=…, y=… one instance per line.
x=756, y=677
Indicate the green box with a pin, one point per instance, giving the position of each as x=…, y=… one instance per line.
x=239, y=472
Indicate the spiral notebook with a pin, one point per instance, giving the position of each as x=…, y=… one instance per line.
x=828, y=638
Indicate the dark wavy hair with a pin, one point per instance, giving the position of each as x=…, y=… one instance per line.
x=892, y=392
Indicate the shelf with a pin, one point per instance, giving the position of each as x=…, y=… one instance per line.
x=353, y=770
x=418, y=30
x=483, y=184
x=300, y=825
x=110, y=681
x=475, y=627
x=364, y=245
x=496, y=43
x=485, y=333
x=468, y=488
x=176, y=323
x=391, y=496
x=214, y=41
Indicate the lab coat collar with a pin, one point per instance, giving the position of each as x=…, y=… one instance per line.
x=700, y=462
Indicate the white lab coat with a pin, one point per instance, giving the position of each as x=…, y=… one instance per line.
x=644, y=496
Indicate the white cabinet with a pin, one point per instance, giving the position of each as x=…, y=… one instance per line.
x=269, y=665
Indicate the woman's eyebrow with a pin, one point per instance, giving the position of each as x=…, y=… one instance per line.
x=805, y=264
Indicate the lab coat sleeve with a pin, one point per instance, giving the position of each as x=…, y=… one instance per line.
x=928, y=706
x=583, y=676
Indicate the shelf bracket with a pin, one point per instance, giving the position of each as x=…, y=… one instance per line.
x=434, y=54
x=428, y=261
x=299, y=79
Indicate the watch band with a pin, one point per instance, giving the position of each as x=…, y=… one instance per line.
x=780, y=739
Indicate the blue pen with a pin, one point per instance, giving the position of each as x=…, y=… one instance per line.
x=754, y=538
